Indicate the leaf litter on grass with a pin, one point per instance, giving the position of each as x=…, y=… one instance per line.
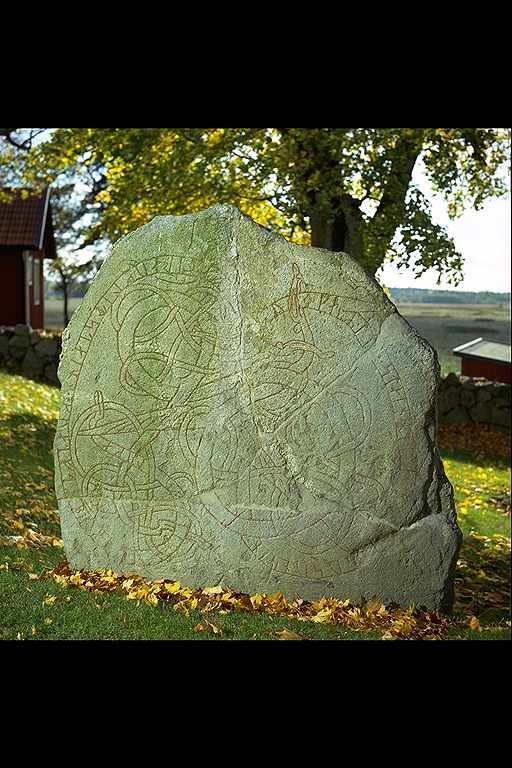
x=481, y=441
x=372, y=615
x=483, y=572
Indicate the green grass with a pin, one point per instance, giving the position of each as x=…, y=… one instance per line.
x=449, y=364
x=28, y=416
x=481, y=493
x=85, y=615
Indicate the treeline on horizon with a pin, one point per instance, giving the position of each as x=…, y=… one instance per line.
x=429, y=296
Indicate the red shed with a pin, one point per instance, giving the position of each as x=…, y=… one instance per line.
x=488, y=359
x=26, y=238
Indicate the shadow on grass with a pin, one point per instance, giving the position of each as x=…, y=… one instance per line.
x=482, y=581
x=26, y=470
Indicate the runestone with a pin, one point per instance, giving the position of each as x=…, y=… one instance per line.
x=240, y=410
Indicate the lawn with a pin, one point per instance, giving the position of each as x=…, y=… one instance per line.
x=40, y=598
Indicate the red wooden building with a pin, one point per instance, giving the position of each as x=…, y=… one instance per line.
x=26, y=238
x=488, y=359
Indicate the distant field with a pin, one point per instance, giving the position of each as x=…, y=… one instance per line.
x=444, y=325
x=54, y=312
x=447, y=326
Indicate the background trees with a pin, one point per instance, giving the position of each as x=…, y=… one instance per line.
x=344, y=189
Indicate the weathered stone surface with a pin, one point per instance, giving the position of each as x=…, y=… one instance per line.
x=501, y=417
x=449, y=399
x=484, y=394
x=240, y=410
x=481, y=411
x=21, y=329
x=467, y=397
x=503, y=397
x=452, y=380
x=4, y=345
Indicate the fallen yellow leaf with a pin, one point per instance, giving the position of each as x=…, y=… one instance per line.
x=216, y=630
x=323, y=616
x=49, y=600
x=205, y=626
x=173, y=587
x=285, y=634
x=213, y=590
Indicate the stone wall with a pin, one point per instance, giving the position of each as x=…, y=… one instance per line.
x=463, y=400
x=34, y=354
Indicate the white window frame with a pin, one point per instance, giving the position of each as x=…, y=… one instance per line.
x=27, y=258
x=36, y=280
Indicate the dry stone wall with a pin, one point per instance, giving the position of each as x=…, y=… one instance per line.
x=464, y=400
x=34, y=354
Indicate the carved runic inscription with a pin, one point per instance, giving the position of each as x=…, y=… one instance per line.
x=216, y=428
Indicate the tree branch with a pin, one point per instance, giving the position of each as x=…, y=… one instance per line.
x=25, y=145
x=405, y=155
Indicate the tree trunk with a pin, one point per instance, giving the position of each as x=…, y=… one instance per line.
x=337, y=224
x=325, y=232
x=339, y=231
x=65, y=289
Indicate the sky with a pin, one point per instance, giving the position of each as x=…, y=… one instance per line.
x=483, y=239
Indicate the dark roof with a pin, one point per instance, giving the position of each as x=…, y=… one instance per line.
x=26, y=220
x=484, y=350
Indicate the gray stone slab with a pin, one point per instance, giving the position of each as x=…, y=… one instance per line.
x=237, y=409
x=32, y=365
x=47, y=348
x=18, y=346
